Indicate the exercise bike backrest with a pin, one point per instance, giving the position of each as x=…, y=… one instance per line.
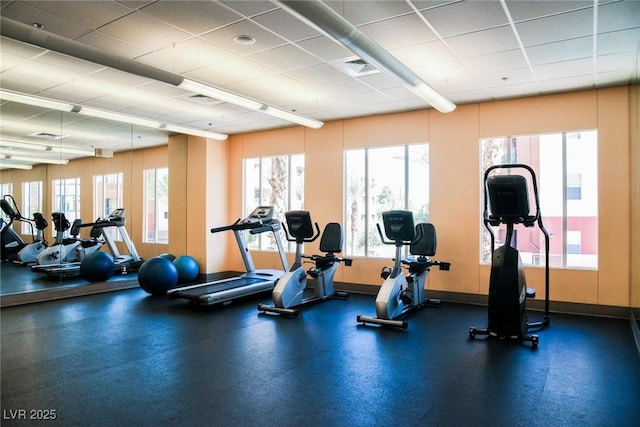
x=60, y=221
x=426, y=245
x=398, y=228
x=300, y=228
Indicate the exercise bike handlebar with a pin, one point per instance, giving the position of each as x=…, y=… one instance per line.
x=303, y=239
x=398, y=242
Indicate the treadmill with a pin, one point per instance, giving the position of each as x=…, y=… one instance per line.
x=122, y=262
x=253, y=281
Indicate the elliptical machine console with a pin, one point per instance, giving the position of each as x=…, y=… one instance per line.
x=399, y=295
x=506, y=201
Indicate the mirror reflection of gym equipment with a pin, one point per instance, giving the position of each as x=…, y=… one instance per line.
x=506, y=201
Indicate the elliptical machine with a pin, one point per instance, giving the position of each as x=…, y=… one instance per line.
x=288, y=294
x=506, y=201
x=13, y=247
x=400, y=295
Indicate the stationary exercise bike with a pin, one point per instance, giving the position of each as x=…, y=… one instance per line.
x=13, y=247
x=288, y=294
x=506, y=201
x=63, y=250
x=400, y=295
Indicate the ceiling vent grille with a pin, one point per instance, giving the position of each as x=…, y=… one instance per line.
x=354, y=66
x=45, y=135
x=201, y=99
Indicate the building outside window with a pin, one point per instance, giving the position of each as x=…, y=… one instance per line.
x=381, y=179
x=276, y=181
x=156, y=206
x=566, y=165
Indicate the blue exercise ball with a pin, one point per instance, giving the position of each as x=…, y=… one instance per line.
x=157, y=275
x=168, y=256
x=97, y=267
x=188, y=268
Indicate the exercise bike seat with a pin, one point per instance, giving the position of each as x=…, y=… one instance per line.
x=330, y=243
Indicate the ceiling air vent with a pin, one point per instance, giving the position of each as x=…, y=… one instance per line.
x=201, y=99
x=355, y=66
x=45, y=135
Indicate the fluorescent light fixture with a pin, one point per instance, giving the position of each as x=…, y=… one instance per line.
x=117, y=117
x=45, y=147
x=232, y=98
x=330, y=23
x=35, y=101
x=196, y=132
x=9, y=156
x=292, y=117
x=222, y=95
x=8, y=165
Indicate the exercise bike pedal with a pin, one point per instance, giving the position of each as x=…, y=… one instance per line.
x=406, y=298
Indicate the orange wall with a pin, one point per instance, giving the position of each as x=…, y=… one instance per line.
x=206, y=185
x=455, y=199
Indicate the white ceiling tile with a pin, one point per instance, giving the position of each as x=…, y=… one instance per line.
x=112, y=45
x=557, y=27
x=317, y=74
x=324, y=48
x=142, y=30
x=501, y=61
x=282, y=23
x=581, y=47
x=194, y=17
x=483, y=42
x=224, y=73
x=619, y=41
x=357, y=13
x=249, y=8
x=465, y=17
x=616, y=16
x=564, y=69
x=386, y=33
x=525, y=10
x=422, y=54
x=283, y=58
x=225, y=36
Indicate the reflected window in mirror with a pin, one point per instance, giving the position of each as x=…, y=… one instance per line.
x=31, y=203
x=107, y=197
x=156, y=205
x=66, y=199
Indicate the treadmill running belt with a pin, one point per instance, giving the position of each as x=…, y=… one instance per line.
x=196, y=292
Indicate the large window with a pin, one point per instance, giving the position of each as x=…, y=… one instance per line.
x=107, y=197
x=378, y=180
x=566, y=168
x=31, y=203
x=273, y=181
x=66, y=199
x=156, y=205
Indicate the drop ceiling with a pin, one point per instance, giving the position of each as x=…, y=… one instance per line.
x=469, y=51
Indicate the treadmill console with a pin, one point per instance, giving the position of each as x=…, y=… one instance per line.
x=262, y=214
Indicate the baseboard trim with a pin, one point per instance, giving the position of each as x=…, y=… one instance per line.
x=533, y=304
x=65, y=292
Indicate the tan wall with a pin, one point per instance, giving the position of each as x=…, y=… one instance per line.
x=206, y=184
x=455, y=175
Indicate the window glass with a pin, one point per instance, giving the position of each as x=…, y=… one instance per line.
x=276, y=181
x=381, y=179
x=566, y=168
x=156, y=206
x=66, y=199
x=31, y=203
x=107, y=197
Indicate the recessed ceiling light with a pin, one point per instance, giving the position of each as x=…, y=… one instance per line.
x=244, y=40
